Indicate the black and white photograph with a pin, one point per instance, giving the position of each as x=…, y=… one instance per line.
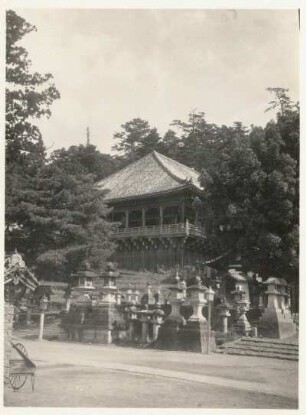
x=152, y=200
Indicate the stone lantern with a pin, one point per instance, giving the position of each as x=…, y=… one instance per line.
x=176, y=299
x=109, y=288
x=196, y=335
x=84, y=278
x=136, y=296
x=224, y=315
x=242, y=325
x=129, y=294
x=145, y=318
x=169, y=332
x=276, y=320
x=196, y=298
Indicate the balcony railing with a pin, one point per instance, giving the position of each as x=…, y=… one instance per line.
x=177, y=229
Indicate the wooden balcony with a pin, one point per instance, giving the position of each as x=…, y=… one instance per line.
x=177, y=229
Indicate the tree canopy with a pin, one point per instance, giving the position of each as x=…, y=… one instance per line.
x=53, y=214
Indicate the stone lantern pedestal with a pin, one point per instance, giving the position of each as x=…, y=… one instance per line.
x=196, y=334
x=168, y=337
x=276, y=320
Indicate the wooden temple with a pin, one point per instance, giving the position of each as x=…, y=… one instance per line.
x=153, y=202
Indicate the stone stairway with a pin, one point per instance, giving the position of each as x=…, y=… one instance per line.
x=287, y=349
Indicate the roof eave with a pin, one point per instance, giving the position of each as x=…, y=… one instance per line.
x=162, y=193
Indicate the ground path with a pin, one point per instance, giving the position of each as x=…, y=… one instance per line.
x=83, y=375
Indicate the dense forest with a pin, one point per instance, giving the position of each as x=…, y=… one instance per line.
x=56, y=218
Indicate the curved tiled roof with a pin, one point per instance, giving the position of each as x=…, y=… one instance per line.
x=150, y=175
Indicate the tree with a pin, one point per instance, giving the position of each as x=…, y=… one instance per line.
x=136, y=139
x=62, y=222
x=86, y=159
x=281, y=100
x=196, y=140
x=28, y=96
x=252, y=196
x=53, y=213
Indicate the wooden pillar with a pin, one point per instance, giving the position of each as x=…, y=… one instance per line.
x=183, y=212
x=196, y=217
x=126, y=218
x=161, y=215
x=143, y=218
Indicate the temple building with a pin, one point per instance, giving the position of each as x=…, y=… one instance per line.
x=154, y=204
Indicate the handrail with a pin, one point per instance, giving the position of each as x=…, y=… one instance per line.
x=161, y=230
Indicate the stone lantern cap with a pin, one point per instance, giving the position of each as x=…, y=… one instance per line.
x=196, y=285
x=275, y=281
x=111, y=270
x=175, y=283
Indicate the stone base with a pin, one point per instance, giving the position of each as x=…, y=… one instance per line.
x=242, y=327
x=276, y=324
x=194, y=337
x=168, y=338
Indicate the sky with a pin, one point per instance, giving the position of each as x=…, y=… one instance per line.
x=111, y=66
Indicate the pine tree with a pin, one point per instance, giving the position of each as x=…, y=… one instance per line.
x=28, y=96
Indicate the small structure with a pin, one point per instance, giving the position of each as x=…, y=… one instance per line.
x=276, y=320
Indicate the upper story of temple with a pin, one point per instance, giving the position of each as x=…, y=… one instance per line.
x=154, y=196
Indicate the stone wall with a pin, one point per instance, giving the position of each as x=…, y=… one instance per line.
x=8, y=329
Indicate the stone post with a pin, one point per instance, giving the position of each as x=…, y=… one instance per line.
x=68, y=304
x=144, y=326
x=158, y=315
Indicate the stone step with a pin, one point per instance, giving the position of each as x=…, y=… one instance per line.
x=244, y=347
x=284, y=342
x=264, y=347
x=258, y=354
x=270, y=345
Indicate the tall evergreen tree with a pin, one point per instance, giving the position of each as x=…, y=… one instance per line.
x=136, y=139
x=29, y=95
